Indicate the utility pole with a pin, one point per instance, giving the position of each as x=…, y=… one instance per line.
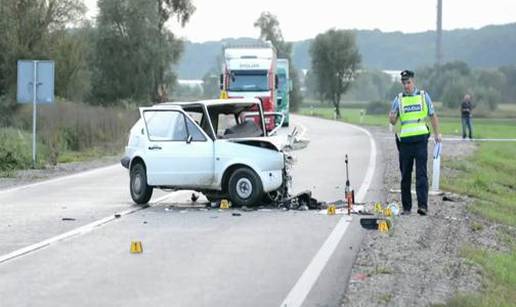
x=439, y=32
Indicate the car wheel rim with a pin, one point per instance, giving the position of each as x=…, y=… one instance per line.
x=137, y=184
x=244, y=188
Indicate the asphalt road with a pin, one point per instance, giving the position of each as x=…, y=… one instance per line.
x=191, y=256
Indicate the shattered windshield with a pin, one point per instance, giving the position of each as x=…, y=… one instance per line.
x=236, y=121
x=248, y=80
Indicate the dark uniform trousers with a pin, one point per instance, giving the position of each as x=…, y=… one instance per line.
x=409, y=152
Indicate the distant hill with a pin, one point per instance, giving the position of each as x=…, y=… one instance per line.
x=491, y=46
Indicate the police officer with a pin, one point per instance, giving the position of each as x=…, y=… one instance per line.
x=413, y=107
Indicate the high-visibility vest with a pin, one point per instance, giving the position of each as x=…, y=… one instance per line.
x=413, y=113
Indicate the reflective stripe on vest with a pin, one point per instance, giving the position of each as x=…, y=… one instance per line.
x=413, y=112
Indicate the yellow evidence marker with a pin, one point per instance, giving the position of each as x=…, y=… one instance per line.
x=382, y=226
x=378, y=207
x=136, y=247
x=223, y=95
x=331, y=210
x=224, y=204
x=387, y=212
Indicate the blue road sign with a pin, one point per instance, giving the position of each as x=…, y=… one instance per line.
x=44, y=81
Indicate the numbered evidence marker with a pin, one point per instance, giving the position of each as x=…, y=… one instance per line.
x=382, y=226
x=331, y=210
x=224, y=204
x=136, y=247
x=387, y=212
x=378, y=207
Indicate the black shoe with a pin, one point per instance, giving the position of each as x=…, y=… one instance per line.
x=405, y=212
x=421, y=211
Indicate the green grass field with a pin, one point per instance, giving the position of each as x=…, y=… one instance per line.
x=450, y=126
x=489, y=176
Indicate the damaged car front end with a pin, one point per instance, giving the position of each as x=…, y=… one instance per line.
x=218, y=147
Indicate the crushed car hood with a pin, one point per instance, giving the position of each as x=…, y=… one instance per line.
x=278, y=143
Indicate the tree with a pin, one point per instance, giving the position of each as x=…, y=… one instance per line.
x=134, y=49
x=169, y=48
x=210, y=85
x=270, y=31
x=28, y=31
x=335, y=60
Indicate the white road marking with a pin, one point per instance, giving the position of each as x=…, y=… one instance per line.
x=304, y=284
x=58, y=179
x=72, y=233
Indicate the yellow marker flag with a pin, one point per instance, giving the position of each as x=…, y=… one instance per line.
x=331, y=210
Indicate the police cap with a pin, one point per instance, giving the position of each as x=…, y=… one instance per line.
x=406, y=74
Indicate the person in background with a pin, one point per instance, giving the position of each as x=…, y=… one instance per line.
x=413, y=107
x=465, y=110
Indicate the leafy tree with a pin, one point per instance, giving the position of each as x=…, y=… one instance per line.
x=169, y=48
x=28, y=31
x=73, y=54
x=134, y=49
x=210, y=86
x=335, y=60
x=270, y=31
x=509, y=88
x=370, y=85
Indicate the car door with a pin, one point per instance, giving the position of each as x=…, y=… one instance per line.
x=177, y=152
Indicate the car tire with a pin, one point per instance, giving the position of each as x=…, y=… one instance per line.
x=141, y=192
x=245, y=187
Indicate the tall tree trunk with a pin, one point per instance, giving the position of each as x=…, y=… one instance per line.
x=336, y=104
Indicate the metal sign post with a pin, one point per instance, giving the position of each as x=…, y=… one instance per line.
x=36, y=86
x=34, y=95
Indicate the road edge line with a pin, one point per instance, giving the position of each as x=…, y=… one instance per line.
x=305, y=283
x=72, y=233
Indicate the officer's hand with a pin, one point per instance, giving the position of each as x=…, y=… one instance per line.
x=438, y=138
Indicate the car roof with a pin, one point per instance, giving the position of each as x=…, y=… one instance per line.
x=212, y=102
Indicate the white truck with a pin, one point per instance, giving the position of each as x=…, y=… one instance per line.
x=249, y=71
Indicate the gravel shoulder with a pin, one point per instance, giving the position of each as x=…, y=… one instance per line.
x=23, y=177
x=418, y=263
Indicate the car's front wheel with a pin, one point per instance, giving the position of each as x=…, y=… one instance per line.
x=141, y=192
x=245, y=187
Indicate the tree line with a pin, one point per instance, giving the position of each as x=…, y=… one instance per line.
x=126, y=54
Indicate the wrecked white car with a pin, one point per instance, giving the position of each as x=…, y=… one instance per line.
x=217, y=147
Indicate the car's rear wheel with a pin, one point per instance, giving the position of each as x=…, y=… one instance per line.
x=141, y=192
x=245, y=187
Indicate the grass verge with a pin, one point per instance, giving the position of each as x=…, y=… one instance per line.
x=489, y=178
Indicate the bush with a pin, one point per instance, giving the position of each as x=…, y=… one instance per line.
x=15, y=149
x=378, y=107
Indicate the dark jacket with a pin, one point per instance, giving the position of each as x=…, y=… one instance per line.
x=465, y=108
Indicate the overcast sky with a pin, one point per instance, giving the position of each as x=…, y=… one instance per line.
x=216, y=19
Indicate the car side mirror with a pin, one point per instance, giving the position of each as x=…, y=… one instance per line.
x=221, y=81
x=276, y=81
x=189, y=139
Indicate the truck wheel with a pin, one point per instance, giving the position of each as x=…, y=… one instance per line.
x=245, y=187
x=140, y=191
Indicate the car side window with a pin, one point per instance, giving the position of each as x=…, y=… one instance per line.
x=165, y=125
x=194, y=131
